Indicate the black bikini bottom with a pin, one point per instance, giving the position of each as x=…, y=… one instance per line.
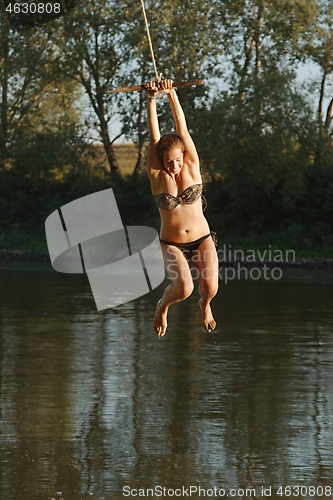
x=191, y=246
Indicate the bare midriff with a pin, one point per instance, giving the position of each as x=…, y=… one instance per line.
x=184, y=223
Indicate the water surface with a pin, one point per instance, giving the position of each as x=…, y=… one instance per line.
x=92, y=401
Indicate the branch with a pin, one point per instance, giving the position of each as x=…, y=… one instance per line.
x=329, y=116
x=117, y=137
x=321, y=98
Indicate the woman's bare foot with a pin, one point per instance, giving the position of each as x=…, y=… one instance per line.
x=207, y=316
x=160, y=319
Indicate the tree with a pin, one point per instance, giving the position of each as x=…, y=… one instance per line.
x=263, y=36
x=320, y=51
x=91, y=49
x=185, y=49
x=259, y=164
x=27, y=80
x=41, y=130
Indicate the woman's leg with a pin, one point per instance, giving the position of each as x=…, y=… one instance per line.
x=181, y=287
x=205, y=260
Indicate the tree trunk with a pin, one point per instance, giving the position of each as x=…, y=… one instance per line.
x=257, y=37
x=109, y=151
x=4, y=93
x=248, y=56
x=142, y=102
x=329, y=117
x=258, y=42
x=139, y=157
x=105, y=136
x=321, y=134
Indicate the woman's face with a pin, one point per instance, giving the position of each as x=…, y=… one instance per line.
x=173, y=160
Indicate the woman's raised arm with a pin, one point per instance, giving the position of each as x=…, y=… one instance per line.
x=153, y=128
x=180, y=123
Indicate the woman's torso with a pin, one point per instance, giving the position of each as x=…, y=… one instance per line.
x=185, y=222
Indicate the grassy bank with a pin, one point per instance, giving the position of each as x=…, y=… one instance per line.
x=24, y=240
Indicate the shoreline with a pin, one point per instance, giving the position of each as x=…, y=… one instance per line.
x=303, y=263
x=25, y=255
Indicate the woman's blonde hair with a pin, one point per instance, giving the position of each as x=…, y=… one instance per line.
x=169, y=141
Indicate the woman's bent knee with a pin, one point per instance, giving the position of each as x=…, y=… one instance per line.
x=185, y=289
x=208, y=290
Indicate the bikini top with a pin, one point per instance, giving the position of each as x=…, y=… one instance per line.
x=167, y=201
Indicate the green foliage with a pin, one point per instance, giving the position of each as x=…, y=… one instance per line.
x=135, y=202
x=90, y=48
x=266, y=146
x=47, y=171
x=259, y=155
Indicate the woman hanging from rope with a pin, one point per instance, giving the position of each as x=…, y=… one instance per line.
x=174, y=172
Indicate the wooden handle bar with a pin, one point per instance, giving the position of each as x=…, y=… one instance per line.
x=142, y=87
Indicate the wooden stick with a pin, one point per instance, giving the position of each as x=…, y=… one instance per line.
x=142, y=87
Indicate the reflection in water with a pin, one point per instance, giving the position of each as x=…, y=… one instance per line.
x=92, y=401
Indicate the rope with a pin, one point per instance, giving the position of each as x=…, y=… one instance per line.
x=157, y=76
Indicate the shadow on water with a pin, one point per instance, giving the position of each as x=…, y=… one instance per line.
x=92, y=401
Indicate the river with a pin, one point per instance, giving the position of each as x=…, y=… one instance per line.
x=93, y=405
